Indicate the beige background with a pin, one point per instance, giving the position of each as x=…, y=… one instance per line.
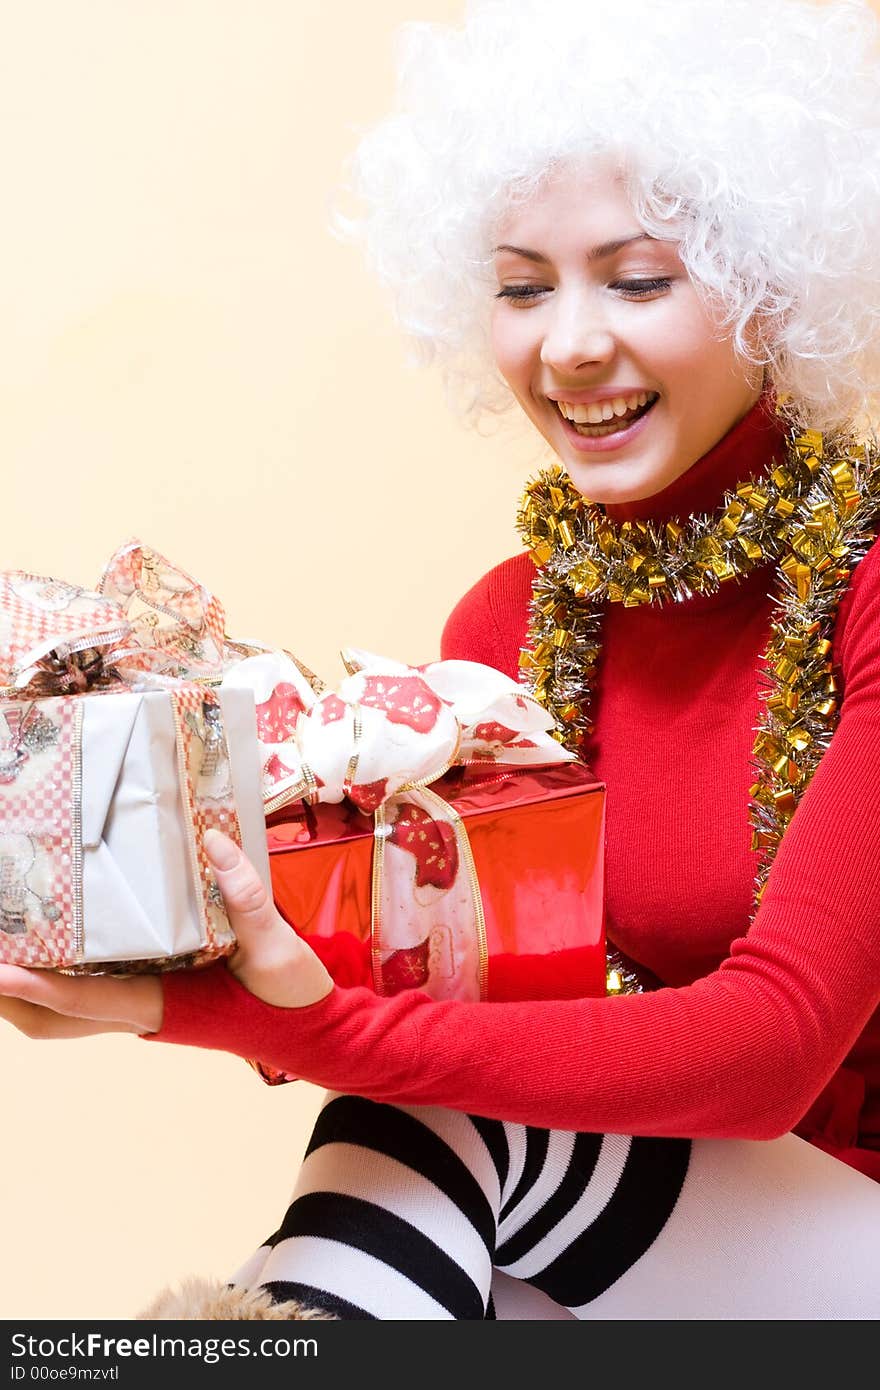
x=187, y=355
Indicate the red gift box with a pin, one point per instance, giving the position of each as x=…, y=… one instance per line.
x=536, y=837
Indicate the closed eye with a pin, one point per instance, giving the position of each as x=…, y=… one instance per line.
x=520, y=292
x=637, y=289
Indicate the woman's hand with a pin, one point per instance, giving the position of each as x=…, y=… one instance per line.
x=270, y=960
x=42, y=1004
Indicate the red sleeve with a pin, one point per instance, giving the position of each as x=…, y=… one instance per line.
x=740, y=1053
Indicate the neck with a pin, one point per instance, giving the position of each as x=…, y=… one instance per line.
x=746, y=452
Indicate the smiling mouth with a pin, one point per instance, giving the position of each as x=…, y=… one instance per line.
x=615, y=415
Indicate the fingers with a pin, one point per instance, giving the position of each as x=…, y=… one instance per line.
x=248, y=904
x=132, y=1005
x=77, y=996
x=39, y=1023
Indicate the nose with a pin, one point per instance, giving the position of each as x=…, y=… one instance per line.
x=577, y=334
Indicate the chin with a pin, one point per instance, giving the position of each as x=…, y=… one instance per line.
x=596, y=481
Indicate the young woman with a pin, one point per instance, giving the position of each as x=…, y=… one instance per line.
x=654, y=228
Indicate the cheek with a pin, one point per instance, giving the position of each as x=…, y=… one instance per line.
x=512, y=353
x=682, y=341
x=679, y=330
x=699, y=343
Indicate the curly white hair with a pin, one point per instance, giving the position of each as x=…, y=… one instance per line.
x=748, y=129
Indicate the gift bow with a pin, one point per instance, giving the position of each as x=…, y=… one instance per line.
x=379, y=739
x=387, y=726
x=149, y=622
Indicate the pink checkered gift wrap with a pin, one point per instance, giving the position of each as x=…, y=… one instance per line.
x=113, y=764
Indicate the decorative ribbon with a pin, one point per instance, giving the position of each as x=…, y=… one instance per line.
x=150, y=624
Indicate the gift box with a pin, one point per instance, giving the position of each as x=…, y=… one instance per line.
x=381, y=781
x=535, y=840
x=118, y=749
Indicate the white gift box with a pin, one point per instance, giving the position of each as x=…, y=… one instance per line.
x=104, y=799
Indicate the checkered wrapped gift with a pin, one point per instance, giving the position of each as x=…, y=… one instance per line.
x=118, y=749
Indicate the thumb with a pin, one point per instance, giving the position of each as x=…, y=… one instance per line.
x=248, y=905
x=270, y=959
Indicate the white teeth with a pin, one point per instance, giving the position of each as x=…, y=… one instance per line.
x=600, y=412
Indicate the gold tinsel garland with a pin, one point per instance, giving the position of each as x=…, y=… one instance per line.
x=813, y=516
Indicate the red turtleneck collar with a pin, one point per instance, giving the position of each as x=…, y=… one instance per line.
x=744, y=453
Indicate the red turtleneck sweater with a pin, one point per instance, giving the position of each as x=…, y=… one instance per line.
x=759, y=1033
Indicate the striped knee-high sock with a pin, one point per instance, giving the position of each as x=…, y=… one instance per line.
x=401, y=1212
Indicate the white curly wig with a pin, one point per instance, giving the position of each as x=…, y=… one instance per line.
x=747, y=129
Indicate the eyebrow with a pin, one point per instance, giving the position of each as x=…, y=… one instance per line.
x=598, y=253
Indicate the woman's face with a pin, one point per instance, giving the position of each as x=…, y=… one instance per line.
x=603, y=340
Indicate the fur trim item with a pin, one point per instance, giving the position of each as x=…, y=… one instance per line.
x=210, y=1300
